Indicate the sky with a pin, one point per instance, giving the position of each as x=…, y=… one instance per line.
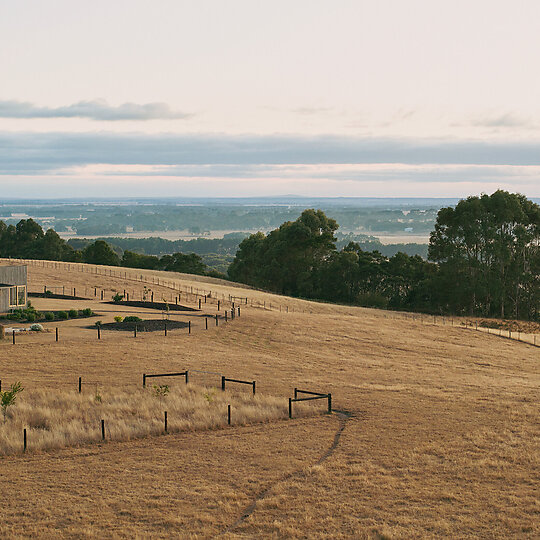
x=379, y=98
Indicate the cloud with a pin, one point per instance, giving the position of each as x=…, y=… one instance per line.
x=94, y=110
x=507, y=120
x=312, y=110
x=430, y=174
x=27, y=153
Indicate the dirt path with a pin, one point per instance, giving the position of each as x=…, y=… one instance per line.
x=343, y=416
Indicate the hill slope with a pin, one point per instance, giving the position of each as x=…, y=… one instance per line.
x=442, y=438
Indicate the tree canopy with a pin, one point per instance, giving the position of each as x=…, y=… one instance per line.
x=27, y=240
x=286, y=259
x=488, y=252
x=485, y=251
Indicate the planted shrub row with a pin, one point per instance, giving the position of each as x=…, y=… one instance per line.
x=30, y=314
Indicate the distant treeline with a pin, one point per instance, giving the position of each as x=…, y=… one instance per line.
x=26, y=240
x=219, y=253
x=160, y=246
x=228, y=245
x=486, y=254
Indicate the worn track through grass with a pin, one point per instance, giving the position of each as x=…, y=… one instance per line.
x=246, y=513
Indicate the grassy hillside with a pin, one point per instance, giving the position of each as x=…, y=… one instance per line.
x=441, y=436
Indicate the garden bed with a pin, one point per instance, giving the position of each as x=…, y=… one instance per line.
x=162, y=306
x=55, y=296
x=150, y=325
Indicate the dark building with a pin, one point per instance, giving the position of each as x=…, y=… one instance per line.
x=13, y=292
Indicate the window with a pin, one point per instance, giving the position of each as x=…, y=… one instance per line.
x=13, y=296
x=21, y=295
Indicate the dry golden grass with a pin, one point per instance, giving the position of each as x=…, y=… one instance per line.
x=57, y=419
x=443, y=441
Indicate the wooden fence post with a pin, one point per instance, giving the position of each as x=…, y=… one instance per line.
x=165, y=421
x=290, y=407
x=103, y=429
x=57, y=333
x=24, y=440
x=189, y=327
x=216, y=320
x=229, y=415
x=144, y=380
x=80, y=385
x=223, y=382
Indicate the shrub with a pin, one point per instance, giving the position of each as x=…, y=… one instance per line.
x=117, y=298
x=73, y=313
x=30, y=317
x=49, y=316
x=7, y=398
x=13, y=316
x=48, y=293
x=118, y=318
x=62, y=315
x=132, y=318
x=36, y=328
x=87, y=312
x=98, y=323
x=161, y=391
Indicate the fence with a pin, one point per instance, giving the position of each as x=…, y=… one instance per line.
x=208, y=295
x=180, y=374
x=219, y=299
x=311, y=396
x=225, y=379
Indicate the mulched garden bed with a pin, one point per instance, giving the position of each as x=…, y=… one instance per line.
x=55, y=296
x=151, y=325
x=162, y=306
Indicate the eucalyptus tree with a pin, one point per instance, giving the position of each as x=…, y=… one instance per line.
x=487, y=248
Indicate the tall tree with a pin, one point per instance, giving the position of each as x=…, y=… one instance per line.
x=100, y=253
x=286, y=259
x=487, y=250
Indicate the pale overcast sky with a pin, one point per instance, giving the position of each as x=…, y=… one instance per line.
x=246, y=97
